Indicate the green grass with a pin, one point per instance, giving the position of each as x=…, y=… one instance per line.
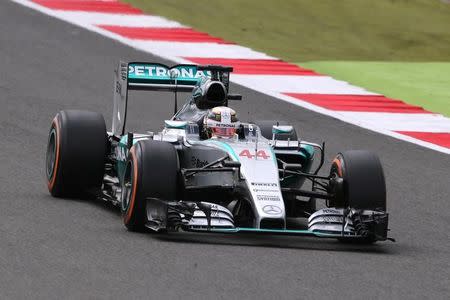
x=303, y=30
x=338, y=30
x=423, y=84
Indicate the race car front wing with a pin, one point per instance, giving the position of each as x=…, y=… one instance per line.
x=209, y=217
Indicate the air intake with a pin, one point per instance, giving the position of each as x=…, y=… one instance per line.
x=213, y=94
x=216, y=93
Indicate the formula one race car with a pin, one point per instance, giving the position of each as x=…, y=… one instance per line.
x=206, y=171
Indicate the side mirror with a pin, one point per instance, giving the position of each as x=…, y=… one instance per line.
x=282, y=129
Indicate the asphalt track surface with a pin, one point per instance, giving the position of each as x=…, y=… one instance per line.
x=66, y=248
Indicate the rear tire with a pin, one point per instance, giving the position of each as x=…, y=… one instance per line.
x=76, y=150
x=266, y=130
x=151, y=172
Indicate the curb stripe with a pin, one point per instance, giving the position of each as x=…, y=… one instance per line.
x=402, y=121
x=298, y=84
x=438, y=138
x=97, y=6
x=362, y=103
x=255, y=66
x=164, y=34
x=81, y=18
x=205, y=50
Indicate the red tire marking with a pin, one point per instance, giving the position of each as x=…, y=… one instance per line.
x=338, y=164
x=133, y=193
x=51, y=183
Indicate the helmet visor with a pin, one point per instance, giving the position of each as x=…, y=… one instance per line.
x=225, y=132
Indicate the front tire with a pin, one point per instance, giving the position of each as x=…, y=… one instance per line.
x=359, y=184
x=151, y=172
x=76, y=150
x=364, y=185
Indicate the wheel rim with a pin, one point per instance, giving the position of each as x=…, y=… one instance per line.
x=51, y=154
x=337, y=184
x=127, y=185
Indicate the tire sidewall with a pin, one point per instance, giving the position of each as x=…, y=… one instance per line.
x=135, y=206
x=363, y=176
x=81, y=145
x=53, y=179
x=144, y=158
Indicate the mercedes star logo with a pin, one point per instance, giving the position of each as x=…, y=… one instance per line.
x=272, y=209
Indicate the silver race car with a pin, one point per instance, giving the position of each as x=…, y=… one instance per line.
x=208, y=171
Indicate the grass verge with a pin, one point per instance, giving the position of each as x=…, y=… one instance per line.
x=304, y=30
x=423, y=84
x=338, y=38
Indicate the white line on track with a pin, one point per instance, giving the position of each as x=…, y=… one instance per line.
x=299, y=84
x=403, y=122
x=180, y=49
x=81, y=18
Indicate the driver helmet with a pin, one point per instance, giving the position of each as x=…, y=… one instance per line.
x=221, y=122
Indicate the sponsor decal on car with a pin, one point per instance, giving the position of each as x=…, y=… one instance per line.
x=268, y=184
x=149, y=71
x=265, y=190
x=331, y=211
x=259, y=154
x=331, y=219
x=267, y=198
x=272, y=210
x=225, y=125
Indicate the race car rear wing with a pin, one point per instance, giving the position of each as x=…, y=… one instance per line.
x=159, y=77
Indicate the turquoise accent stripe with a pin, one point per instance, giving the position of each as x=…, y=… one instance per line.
x=175, y=125
x=309, y=149
x=273, y=156
x=279, y=231
x=278, y=130
x=224, y=146
x=161, y=74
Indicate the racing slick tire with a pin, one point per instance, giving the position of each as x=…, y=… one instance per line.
x=76, y=150
x=151, y=172
x=363, y=184
x=266, y=130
